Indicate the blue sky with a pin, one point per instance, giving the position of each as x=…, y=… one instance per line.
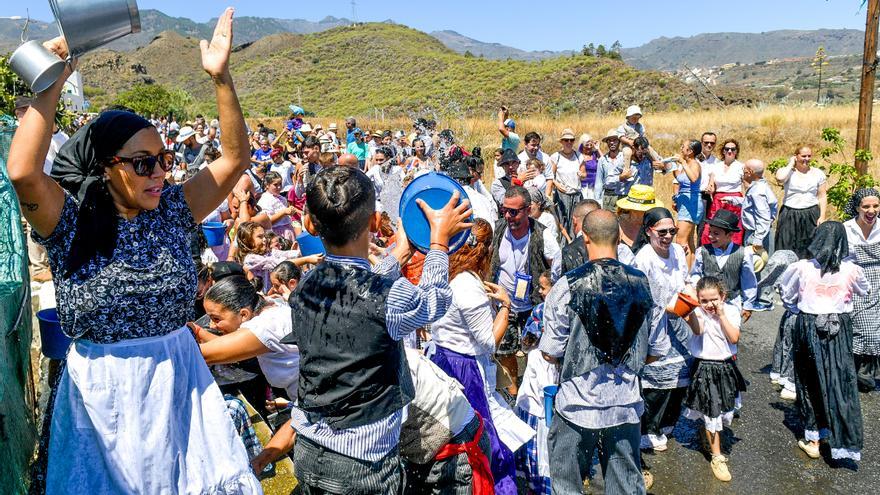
x=534, y=25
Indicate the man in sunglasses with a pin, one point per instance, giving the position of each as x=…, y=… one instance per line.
x=522, y=249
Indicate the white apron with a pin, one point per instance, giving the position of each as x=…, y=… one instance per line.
x=143, y=416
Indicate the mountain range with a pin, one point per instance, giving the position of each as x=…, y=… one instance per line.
x=702, y=50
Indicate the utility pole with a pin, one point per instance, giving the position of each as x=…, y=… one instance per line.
x=818, y=62
x=866, y=95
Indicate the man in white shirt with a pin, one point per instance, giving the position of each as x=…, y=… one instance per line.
x=532, y=150
x=522, y=250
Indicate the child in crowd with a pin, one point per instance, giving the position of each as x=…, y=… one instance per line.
x=284, y=279
x=532, y=460
x=258, y=259
x=349, y=323
x=275, y=205
x=715, y=379
x=539, y=181
x=727, y=261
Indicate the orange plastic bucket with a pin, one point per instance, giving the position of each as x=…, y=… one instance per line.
x=685, y=304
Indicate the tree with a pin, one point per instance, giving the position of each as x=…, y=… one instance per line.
x=155, y=99
x=468, y=54
x=588, y=50
x=616, y=47
x=11, y=87
x=601, y=51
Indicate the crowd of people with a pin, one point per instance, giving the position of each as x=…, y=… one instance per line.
x=580, y=322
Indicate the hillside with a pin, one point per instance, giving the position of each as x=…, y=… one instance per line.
x=404, y=71
x=461, y=44
x=715, y=49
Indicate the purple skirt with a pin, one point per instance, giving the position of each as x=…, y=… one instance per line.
x=464, y=368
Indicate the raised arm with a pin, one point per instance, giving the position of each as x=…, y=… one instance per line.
x=41, y=197
x=208, y=188
x=502, y=116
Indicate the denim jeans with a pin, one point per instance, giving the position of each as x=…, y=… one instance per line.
x=618, y=452
x=322, y=471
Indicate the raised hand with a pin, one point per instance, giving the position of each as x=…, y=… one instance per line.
x=447, y=221
x=215, y=55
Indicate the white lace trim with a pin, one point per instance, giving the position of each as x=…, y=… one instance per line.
x=713, y=425
x=846, y=454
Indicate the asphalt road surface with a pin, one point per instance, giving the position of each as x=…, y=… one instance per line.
x=762, y=442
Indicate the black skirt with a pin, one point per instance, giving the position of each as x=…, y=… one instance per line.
x=714, y=387
x=825, y=380
x=794, y=230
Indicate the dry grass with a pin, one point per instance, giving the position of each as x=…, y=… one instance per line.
x=766, y=133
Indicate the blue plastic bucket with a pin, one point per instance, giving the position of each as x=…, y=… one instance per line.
x=310, y=244
x=215, y=233
x=435, y=190
x=550, y=392
x=55, y=343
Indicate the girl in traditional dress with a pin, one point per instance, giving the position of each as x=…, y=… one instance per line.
x=863, y=236
x=823, y=288
x=715, y=381
x=135, y=409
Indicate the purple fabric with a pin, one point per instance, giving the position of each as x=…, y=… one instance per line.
x=464, y=369
x=590, y=165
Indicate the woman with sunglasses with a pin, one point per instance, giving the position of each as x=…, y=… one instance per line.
x=666, y=377
x=566, y=178
x=726, y=184
x=134, y=404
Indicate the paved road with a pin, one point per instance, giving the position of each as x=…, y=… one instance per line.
x=764, y=457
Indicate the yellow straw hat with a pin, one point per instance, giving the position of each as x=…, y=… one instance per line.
x=640, y=198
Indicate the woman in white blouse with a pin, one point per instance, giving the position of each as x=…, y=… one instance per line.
x=863, y=236
x=804, y=204
x=822, y=288
x=465, y=340
x=725, y=184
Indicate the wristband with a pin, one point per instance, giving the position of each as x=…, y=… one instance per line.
x=438, y=244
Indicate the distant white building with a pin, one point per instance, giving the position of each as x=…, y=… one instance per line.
x=72, y=94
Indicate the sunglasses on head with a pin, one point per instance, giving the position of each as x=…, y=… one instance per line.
x=665, y=232
x=511, y=211
x=144, y=165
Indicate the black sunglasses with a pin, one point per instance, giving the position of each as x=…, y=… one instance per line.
x=665, y=232
x=726, y=149
x=709, y=143
x=144, y=165
x=512, y=211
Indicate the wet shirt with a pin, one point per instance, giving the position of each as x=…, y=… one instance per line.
x=803, y=284
x=408, y=307
x=712, y=343
x=602, y=398
x=146, y=289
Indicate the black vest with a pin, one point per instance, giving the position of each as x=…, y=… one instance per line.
x=537, y=264
x=351, y=372
x=610, y=318
x=730, y=273
x=574, y=254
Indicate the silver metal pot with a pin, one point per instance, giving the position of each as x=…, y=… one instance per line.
x=90, y=24
x=37, y=66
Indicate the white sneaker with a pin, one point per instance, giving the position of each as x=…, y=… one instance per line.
x=787, y=394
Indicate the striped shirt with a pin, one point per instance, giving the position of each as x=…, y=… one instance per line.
x=408, y=307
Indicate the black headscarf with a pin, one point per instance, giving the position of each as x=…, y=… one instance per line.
x=651, y=218
x=829, y=246
x=79, y=169
x=852, y=208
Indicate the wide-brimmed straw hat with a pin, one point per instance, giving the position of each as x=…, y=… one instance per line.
x=640, y=198
x=612, y=133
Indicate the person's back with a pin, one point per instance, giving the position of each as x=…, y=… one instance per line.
x=349, y=322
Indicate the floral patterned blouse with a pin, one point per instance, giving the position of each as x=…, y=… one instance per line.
x=146, y=289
